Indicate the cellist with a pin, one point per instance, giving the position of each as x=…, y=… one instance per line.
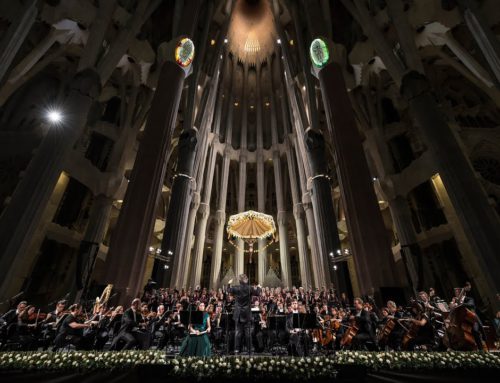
x=363, y=322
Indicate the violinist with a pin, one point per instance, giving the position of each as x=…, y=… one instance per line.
x=101, y=330
x=48, y=325
x=71, y=330
x=362, y=319
x=176, y=328
x=129, y=332
x=260, y=326
x=26, y=328
x=159, y=326
x=10, y=317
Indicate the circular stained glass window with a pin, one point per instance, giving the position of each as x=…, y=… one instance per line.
x=319, y=53
x=184, y=52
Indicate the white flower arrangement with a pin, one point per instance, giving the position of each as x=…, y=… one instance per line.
x=292, y=368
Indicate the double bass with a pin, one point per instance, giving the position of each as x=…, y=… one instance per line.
x=461, y=322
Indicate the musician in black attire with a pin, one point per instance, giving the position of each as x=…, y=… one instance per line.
x=364, y=324
x=10, y=317
x=242, y=315
x=130, y=330
x=467, y=301
x=71, y=330
x=295, y=345
x=397, y=333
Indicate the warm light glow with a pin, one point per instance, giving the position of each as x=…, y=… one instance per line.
x=54, y=116
x=184, y=52
x=278, y=41
x=291, y=42
x=225, y=41
x=212, y=42
x=236, y=104
x=252, y=44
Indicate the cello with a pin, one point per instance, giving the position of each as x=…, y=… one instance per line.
x=349, y=334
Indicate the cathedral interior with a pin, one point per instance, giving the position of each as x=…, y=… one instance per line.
x=121, y=163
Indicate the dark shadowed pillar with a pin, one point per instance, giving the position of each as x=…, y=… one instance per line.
x=178, y=210
x=127, y=255
x=367, y=232
x=321, y=195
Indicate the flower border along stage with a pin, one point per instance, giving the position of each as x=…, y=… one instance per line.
x=290, y=368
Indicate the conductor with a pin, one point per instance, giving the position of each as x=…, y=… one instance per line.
x=242, y=315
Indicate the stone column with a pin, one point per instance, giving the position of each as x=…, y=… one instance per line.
x=92, y=239
x=321, y=197
x=367, y=232
x=298, y=213
x=261, y=202
x=239, y=257
x=127, y=254
x=286, y=277
x=178, y=210
x=318, y=274
x=477, y=217
x=21, y=216
x=16, y=34
x=220, y=216
x=201, y=228
x=410, y=250
x=239, y=261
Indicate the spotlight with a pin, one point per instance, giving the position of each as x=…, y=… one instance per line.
x=169, y=252
x=151, y=248
x=334, y=267
x=331, y=254
x=225, y=41
x=278, y=41
x=54, y=116
x=374, y=179
x=339, y=252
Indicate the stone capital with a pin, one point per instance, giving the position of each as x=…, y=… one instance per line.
x=204, y=210
x=298, y=211
x=281, y=218
x=195, y=201
x=220, y=217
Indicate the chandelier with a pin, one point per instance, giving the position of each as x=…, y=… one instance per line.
x=251, y=226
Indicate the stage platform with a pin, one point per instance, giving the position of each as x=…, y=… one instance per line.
x=156, y=366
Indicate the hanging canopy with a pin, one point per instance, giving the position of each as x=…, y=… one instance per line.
x=251, y=225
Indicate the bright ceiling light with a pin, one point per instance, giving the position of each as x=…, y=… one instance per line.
x=54, y=116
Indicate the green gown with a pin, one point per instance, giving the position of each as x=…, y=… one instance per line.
x=197, y=345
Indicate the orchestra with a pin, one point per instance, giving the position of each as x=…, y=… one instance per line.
x=271, y=323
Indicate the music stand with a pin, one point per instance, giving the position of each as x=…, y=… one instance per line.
x=304, y=321
x=276, y=323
